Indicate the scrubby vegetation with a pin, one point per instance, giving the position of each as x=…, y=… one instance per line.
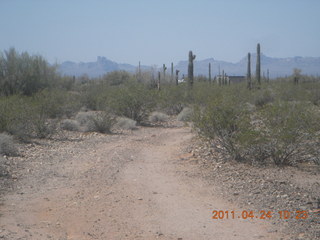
x=158, y=117
x=7, y=145
x=276, y=122
x=126, y=123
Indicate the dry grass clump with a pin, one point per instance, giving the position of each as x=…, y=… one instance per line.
x=126, y=123
x=70, y=125
x=185, y=115
x=7, y=146
x=158, y=117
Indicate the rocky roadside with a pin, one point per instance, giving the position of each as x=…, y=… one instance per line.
x=265, y=188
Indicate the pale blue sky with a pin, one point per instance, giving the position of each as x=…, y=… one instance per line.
x=160, y=31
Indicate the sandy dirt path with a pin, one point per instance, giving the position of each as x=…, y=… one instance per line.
x=121, y=187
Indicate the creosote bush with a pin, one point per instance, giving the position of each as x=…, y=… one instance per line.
x=101, y=122
x=292, y=130
x=132, y=100
x=282, y=132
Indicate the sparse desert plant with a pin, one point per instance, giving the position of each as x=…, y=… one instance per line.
x=101, y=122
x=7, y=146
x=3, y=170
x=126, y=123
x=70, y=125
x=158, y=117
x=185, y=115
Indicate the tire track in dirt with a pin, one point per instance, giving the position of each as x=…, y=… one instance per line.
x=132, y=187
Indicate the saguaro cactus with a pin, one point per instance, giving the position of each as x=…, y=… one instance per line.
x=159, y=77
x=177, y=77
x=258, y=66
x=209, y=72
x=171, y=72
x=139, y=73
x=164, y=72
x=190, y=68
x=222, y=80
x=249, y=72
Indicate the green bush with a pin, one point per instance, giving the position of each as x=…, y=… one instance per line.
x=57, y=103
x=25, y=117
x=132, y=100
x=24, y=74
x=263, y=97
x=172, y=99
x=230, y=125
x=101, y=122
x=15, y=116
x=292, y=131
x=116, y=78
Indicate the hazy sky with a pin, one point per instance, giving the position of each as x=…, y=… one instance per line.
x=160, y=31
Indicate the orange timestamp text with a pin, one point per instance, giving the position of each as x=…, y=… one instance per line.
x=250, y=214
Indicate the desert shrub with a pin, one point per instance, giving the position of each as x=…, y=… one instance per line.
x=292, y=131
x=25, y=118
x=126, y=123
x=90, y=95
x=56, y=103
x=101, y=122
x=315, y=97
x=116, y=78
x=132, y=100
x=158, y=117
x=185, y=115
x=230, y=125
x=172, y=99
x=7, y=146
x=262, y=98
x=15, y=116
x=70, y=125
x=24, y=74
x=83, y=118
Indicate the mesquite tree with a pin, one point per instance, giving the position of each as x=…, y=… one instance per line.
x=190, y=68
x=258, y=66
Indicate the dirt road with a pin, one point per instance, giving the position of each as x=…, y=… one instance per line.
x=129, y=186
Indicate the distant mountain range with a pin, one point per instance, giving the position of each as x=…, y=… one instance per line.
x=277, y=67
